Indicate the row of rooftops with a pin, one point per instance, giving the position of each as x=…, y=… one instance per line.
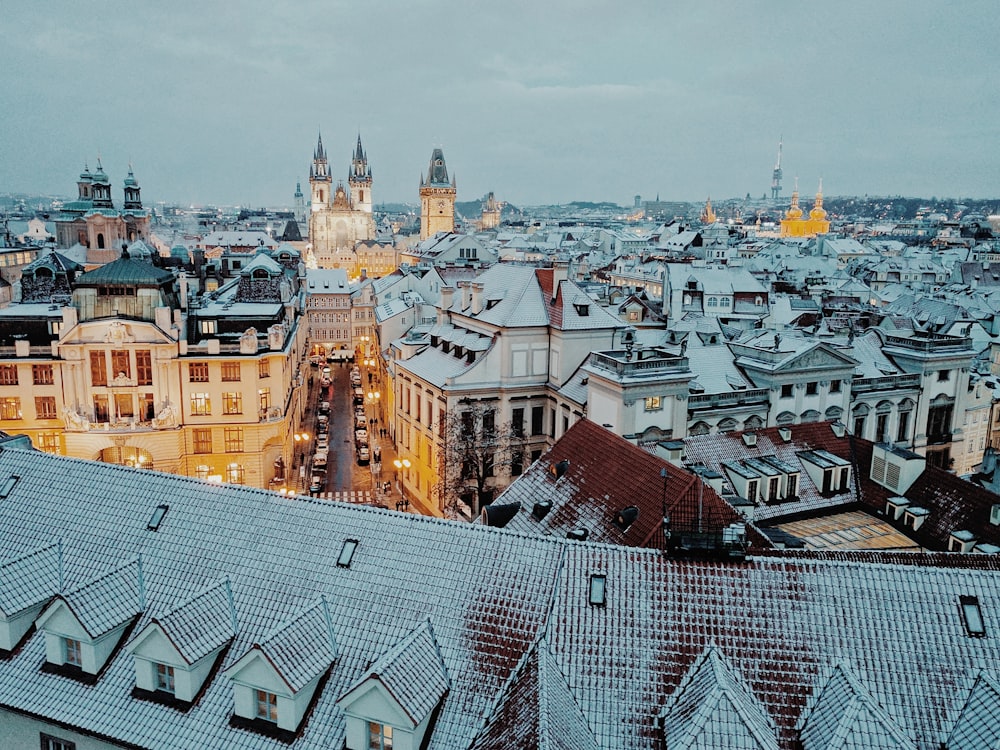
x=529, y=644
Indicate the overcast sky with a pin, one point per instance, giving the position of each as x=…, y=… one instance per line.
x=540, y=101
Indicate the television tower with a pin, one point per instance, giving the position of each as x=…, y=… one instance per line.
x=776, y=176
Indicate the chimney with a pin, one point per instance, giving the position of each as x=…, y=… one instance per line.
x=560, y=270
x=182, y=289
x=466, y=288
x=447, y=300
x=477, y=297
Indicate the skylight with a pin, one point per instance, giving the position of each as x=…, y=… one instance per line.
x=972, y=615
x=347, y=553
x=157, y=518
x=598, y=589
x=8, y=485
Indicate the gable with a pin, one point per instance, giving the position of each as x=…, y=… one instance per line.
x=371, y=700
x=153, y=644
x=59, y=618
x=818, y=358
x=255, y=670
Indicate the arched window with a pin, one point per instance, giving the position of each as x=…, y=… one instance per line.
x=753, y=423
x=699, y=428
x=713, y=301
x=809, y=416
x=758, y=301
x=786, y=417
x=834, y=412
x=100, y=241
x=727, y=425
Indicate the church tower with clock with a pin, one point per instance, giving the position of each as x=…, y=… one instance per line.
x=437, y=198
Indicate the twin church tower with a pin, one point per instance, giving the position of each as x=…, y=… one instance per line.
x=341, y=217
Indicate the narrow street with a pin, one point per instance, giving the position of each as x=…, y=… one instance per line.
x=343, y=473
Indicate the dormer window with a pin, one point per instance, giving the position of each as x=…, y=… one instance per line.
x=972, y=616
x=379, y=736
x=267, y=706
x=598, y=590
x=165, y=678
x=72, y=652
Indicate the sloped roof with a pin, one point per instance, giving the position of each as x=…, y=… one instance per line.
x=125, y=271
x=844, y=716
x=978, y=725
x=606, y=474
x=107, y=601
x=780, y=619
x=302, y=648
x=412, y=672
x=536, y=709
x=713, y=708
x=28, y=580
x=201, y=624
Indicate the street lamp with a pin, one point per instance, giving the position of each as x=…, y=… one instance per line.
x=301, y=438
x=401, y=464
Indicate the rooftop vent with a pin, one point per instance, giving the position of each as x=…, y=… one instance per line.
x=559, y=469
x=785, y=433
x=749, y=439
x=579, y=534
x=8, y=485
x=541, y=509
x=626, y=517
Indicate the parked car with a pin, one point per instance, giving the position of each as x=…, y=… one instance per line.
x=359, y=396
x=324, y=408
x=322, y=442
x=317, y=483
x=320, y=459
x=323, y=420
x=361, y=437
x=325, y=382
x=363, y=455
x=360, y=422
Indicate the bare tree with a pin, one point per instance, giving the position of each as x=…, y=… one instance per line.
x=476, y=456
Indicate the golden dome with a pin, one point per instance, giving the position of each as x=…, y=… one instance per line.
x=794, y=212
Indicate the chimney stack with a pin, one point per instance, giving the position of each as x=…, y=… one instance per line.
x=477, y=297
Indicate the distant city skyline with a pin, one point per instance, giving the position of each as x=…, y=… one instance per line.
x=539, y=103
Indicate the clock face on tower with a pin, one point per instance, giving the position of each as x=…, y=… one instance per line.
x=441, y=206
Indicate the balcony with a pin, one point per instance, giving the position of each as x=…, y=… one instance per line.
x=886, y=383
x=750, y=397
x=923, y=341
x=645, y=363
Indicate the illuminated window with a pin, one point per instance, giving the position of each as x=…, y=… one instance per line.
x=654, y=403
x=231, y=372
x=120, y=363
x=48, y=442
x=264, y=368
x=208, y=326
x=379, y=736
x=165, y=678
x=8, y=374
x=202, y=441
x=267, y=706
x=265, y=399
x=201, y=404
x=143, y=367
x=98, y=369
x=45, y=407
x=235, y=474
x=42, y=374
x=198, y=372
x=234, y=439
x=72, y=653
x=232, y=403
x=10, y=408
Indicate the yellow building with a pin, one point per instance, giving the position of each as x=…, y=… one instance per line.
x=795, y=224
x=437, y=198
x=128, y=364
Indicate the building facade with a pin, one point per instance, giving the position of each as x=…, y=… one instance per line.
x=437, y=198
x=340, y=217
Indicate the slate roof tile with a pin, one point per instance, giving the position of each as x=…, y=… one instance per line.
x=29, y=580
x=201, y=624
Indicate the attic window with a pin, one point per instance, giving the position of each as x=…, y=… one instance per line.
x=972, y=615
x=8, y=485
x=598, y=590
x=583, y=310
x=347, y=553
x=157, y=518
x=491, y=303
